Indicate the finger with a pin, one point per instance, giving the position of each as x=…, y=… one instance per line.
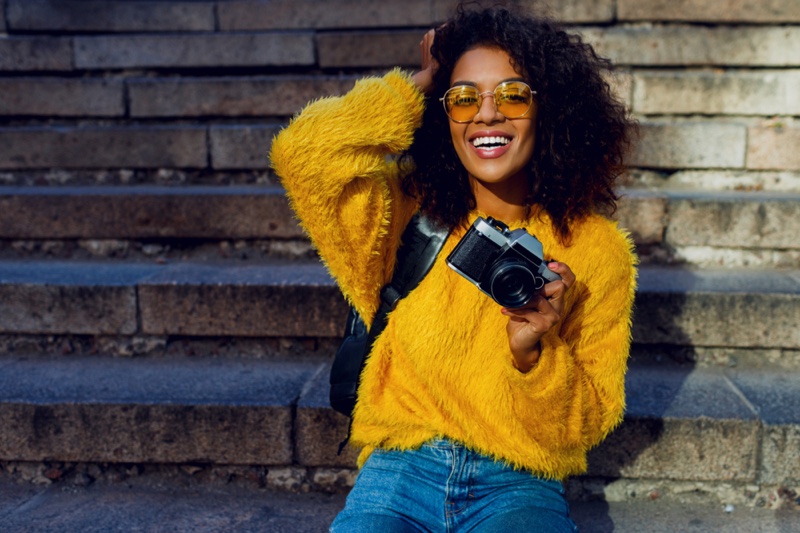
x=563, y=270
x=554, y=294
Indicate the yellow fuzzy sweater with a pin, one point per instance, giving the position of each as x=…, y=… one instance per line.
x=443, y=366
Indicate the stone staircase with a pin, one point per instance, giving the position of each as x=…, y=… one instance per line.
x=161, y=310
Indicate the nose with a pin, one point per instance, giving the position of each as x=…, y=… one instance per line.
x=488, y=113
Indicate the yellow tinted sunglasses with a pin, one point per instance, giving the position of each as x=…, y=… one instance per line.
x=513, y=99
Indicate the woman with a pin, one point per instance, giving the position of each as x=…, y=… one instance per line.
x=471, y=414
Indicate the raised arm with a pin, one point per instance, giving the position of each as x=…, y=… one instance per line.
x=334, y=161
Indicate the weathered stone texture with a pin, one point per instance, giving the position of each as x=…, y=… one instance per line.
x=199, y=50
x=746, y=220
x=145, y=212
x=146, y=433
x=235, y=147
x=373, y=49
x=35, y=53
x=577, y=11
x=702, y=449
x=681, y=45
x=690, y=145
x=274, y=96
x=643, y=215
x=705, y=11
x=773, y=148
x=292, y=300
x=780, y=450
x=60, y=97
x=117, y=16
x=710, y=307
x=296, y=14
x=103, y=147
x=729, y=93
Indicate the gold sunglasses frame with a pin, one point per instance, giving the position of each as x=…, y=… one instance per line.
x=480, y=102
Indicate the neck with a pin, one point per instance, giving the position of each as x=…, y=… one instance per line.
x=503, y=201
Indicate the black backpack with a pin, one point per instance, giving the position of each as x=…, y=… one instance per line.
x=421, y=242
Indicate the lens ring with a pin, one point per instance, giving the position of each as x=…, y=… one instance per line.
x=511, y=283
x=511, y=90
x=461, y=112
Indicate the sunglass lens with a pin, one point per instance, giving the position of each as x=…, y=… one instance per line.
x=513, y=99
x=462, y=103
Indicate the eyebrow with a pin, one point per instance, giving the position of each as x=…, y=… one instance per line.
x=473, y=84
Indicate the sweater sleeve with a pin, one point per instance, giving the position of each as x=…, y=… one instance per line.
x=577, y=388
x=334, y=162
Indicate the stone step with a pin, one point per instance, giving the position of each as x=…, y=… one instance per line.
x=733, y=308
x=719, y=228
x=682, y=424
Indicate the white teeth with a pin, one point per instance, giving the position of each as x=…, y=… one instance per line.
x=481, y=141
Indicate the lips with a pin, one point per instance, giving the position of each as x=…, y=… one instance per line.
x=490, y=144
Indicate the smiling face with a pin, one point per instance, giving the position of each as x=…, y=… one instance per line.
x=494, y=150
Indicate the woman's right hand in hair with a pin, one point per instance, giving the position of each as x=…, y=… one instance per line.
x=424, y=78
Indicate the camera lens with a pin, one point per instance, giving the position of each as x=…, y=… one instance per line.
x=512, y=284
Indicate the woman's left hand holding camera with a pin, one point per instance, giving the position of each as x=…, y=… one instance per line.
x=526, y=325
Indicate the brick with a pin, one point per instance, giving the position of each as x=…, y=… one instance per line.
x=272, y=96
x=60, y=97
x=68, y=298
x=681, y=412
x=316, y=14
x=117, y=16
x=709, y=307
x=690, y=145
x=774, y=148
x=780, y=450
x=781, y=11
x=103, y=147
x=682, y=45
x=729, y=93
x=153, y=411
x=237, y=147
x=35, y=53
x=144, y=212
x=369, y=49
x=568, y=11
x=297, y=300
x=736, y=219
x=643, y=215
x=195, y=50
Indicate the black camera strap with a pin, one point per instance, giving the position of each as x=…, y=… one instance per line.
x=420, y=244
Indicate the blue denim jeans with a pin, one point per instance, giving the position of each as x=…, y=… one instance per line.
x=447, y=487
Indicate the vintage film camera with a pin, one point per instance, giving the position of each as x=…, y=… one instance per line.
x=507, y=265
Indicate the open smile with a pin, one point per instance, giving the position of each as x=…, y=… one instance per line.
x=490, y=145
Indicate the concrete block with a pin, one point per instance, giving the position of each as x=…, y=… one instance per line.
x=35, y=53
x=780, y=449
x=369, y=49
x=681, y=423
x=195, y=50
x=62, y=97
x=780, y=11
x=163, y=410
x=576, y=11
x=103, y=147
x=254, y=96
x=117, y=16
x=284, y=300
x=240, y=15
x=735, y=219
x=319, y=429
x=711, y=308
x=144, y=212
x=234, y=147
x=682, y=45
x=69, y=298
x=643, y=214
x=726, y=93
x=774, y=148
x=690, y=145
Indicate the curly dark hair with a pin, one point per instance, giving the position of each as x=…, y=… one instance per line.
x=582, y=130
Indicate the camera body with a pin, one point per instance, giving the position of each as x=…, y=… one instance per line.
x=507, y=265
